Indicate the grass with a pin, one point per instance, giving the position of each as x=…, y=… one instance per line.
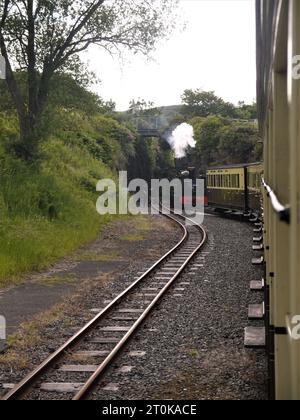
x=48, y=212
x=194, y=353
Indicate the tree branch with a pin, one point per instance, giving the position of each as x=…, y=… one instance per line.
x=75, y=30
x=4, y=14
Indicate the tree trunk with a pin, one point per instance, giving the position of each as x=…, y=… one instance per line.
x=30, y=120
x=25, y=147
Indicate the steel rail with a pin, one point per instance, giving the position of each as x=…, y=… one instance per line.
x=106, y=363
x=23, y=386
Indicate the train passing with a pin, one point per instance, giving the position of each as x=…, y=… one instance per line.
x=232, y=188
x=236, y=187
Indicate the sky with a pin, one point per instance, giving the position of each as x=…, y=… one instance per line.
x=215, y=52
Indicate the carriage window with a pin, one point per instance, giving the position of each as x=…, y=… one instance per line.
x=233, y=181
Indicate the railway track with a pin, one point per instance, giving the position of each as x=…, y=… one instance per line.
x=103, y=338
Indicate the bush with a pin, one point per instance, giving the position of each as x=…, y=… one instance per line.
x=103, y=136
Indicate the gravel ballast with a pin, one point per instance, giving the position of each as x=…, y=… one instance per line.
x=194, y=343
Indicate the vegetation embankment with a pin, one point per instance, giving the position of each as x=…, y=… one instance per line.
x=47, y=209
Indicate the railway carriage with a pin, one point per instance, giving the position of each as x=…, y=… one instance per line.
x=278, y=49
x=236, y=187
x=254, y=184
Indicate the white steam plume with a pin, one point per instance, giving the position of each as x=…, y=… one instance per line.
x=181, y=138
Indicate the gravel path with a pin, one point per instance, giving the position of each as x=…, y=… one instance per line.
x=191, y=347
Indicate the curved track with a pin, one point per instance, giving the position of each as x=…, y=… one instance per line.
x=122, y=318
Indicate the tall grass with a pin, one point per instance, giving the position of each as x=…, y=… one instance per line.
x=47, y=212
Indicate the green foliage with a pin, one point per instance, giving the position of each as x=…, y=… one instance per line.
x=49, y=211
x=165, y=161
x=247, y=112
x=8, y=127
x=237, y=143
x=68, y=93
x=102, y=135
x=199, y=103
x=207, y=136
x=154, y=159
x=223, y=133
x=223, y=141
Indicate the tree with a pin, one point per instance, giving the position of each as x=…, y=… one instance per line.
x=247, y=112
x=43, y=37
x=198, y=103
x=141, y=107
x=238, y=143
x=221, y=141
x=207, y=136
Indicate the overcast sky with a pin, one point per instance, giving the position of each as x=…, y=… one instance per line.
x=215, y=52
